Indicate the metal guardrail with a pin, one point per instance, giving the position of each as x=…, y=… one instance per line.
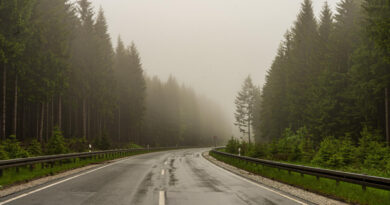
x=4, y=164
x=360, y=179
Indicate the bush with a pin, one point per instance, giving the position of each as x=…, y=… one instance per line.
x=371, y=153
x=257, y=151
x=56, y=144
x=329, y=154
x=232, y=146
x=13, y=149
x=78, y=144
x=35, y=148
x=102, y=143
x=3, y=153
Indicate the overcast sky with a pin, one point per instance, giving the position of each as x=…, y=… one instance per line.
x=210, y=45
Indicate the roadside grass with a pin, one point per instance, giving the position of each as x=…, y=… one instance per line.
x=344, y=191
x=23, y=174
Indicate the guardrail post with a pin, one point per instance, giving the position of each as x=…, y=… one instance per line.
x=318, y=178
x=31, y=167
x=364, y=187
x=17, y=169
x=1, y=172
x=337, y=182
x=289, y=172
x=302, y=175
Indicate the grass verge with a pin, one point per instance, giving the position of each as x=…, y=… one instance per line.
x=345, y=191
x=23, y=174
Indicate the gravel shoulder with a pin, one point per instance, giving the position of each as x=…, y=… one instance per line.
x=294, y=191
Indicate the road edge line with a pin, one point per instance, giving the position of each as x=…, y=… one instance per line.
x=256, y=183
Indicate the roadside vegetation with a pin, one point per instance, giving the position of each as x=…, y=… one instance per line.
x=348, y=192
x=325, y=100
x=368, y=156
x=23, y=174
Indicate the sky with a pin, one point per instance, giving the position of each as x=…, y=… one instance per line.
x=210, y=45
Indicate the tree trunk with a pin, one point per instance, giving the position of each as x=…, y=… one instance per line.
x=47, y=122
x=41, y=123
x=70, y=122
x=52, y=116
x=89, y=122
x=59, y=111
x=249, y=131
x=387, y=116
x=4, y=102
x=119, y=123
x=84, y=118
x=37, y=125
x=15, y=114
x=24, y=113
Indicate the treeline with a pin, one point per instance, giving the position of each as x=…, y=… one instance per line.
x=60, y=73
x=330, y=76
x=176, y=115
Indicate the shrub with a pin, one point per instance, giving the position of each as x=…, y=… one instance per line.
x=3, y=153
x=102, y=143
x=232, y=146
x=13, y=149
x=371, y=152
x=78, y=144
x=56, y=144
x=35, y=148
x=328, y=154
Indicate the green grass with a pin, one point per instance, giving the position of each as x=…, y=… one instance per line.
x=23, y=174
x=348, y=192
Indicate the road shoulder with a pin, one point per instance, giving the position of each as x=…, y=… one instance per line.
x=294, y=191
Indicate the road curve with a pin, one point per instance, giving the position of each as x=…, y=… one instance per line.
x=178, y=177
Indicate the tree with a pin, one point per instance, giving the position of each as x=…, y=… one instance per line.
x=14, y=20
x=245, y=102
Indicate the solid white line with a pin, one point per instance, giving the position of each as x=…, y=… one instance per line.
x=161, y=200
x=59, y=182
x=257, y=184
x=162, y=172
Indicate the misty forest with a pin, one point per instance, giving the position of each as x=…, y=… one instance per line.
x=325, y=100
x=64, y=86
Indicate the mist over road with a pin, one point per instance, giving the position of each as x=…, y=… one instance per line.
x=170, y=177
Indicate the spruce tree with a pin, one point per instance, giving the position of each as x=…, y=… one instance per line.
x=245, y=102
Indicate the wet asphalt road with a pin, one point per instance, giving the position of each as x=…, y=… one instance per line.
x=179, y=177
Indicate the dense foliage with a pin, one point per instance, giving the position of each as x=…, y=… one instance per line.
x=64, y=87
x=323, y=102
x=329, y=75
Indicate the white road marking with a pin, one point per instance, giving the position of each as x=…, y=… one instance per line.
x=161, y=200
x=162, y=172
x=59, y=182
x=254, y=183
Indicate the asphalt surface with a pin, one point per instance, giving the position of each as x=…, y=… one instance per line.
x=179, y=177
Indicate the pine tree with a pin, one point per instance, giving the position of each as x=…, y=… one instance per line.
x=14, y=30
x=245, y=102
x=303, y=64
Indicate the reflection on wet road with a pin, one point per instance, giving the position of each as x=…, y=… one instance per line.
x=172, y=177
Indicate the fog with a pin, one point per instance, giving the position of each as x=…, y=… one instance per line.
x=210, y=45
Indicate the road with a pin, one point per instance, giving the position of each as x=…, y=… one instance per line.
x=178, y=177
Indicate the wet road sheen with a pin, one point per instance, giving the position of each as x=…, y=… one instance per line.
x=179, y=177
